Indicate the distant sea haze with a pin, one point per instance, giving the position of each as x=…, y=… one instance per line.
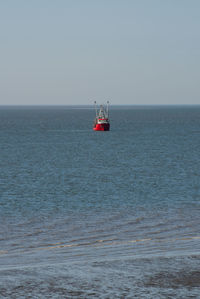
x=87, y=214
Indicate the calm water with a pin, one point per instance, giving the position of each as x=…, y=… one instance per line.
x=88, y=214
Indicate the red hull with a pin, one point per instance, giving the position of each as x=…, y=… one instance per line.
x=101, y=127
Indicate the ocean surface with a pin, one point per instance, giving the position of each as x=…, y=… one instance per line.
x=87, y=214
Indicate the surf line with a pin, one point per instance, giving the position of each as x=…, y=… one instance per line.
x=100, y=243
x=106, y=242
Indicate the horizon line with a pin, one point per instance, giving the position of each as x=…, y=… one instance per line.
x=66, y=105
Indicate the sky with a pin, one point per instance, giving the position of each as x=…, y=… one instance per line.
x=134, y=52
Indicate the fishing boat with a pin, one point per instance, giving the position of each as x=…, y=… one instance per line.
x=101, y=122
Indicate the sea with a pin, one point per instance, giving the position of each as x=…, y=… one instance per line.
x=87, y=214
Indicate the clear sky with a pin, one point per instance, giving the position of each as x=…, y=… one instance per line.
x=76, y=51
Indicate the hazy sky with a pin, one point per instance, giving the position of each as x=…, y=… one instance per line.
x=77, y=51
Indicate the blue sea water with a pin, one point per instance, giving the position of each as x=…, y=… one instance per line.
x=87, y=214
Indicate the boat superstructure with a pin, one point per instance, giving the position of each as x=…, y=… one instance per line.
x=101, y=122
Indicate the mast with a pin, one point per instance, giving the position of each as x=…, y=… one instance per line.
x=95, y=107
x=107, y=109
